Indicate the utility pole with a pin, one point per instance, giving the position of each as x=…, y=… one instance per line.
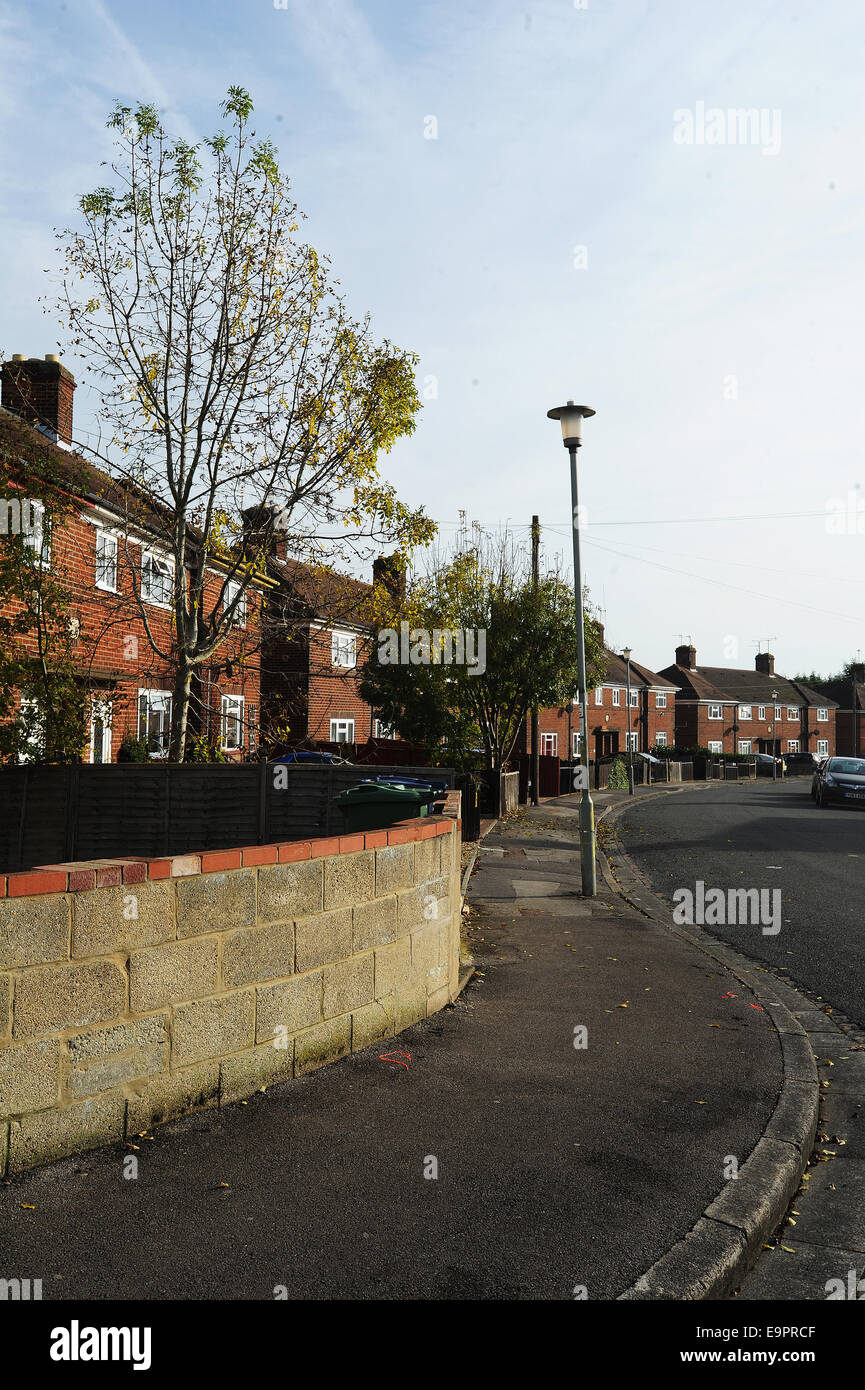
x=536, y=575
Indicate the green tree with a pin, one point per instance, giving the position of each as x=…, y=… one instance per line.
x=231, y=375
x=520, y=643
x=39, y=643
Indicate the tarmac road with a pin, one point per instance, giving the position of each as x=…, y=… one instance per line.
x=765, y=835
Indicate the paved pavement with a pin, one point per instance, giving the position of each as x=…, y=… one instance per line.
x=557, y=1166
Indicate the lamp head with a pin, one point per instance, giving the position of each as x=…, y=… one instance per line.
x=571, y=417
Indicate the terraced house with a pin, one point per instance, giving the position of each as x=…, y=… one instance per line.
x=741, y=711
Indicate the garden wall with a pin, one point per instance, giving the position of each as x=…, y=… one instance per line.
x=135, y=990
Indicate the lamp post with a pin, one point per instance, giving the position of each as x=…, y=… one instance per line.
x=571, y=418
x=627, y=655
x=774, y=740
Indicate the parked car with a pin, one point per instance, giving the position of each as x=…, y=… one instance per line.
x=839, y=780
x=802, y=763
x=764, y=763
x=312, y=755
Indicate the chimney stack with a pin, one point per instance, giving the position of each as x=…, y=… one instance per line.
x=40, y=391
x=857, y=671
x=686, y=656
x=765, y=663
x=256, y=521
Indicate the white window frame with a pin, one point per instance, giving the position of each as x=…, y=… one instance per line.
x=548, y=751
x=792, y=713
x=761, y=711
x=163, y=565
x=100, y=709
x=660, y=699
x=232, y=589
x=341, y=645
x=635, y=699
x=822, y=714
x=167, y=699
x=746, y=712
x=715, y=745
x=105, y=576
x=792, y=745
x=661, y=739
x=232, y=719
x=744, y=745
x=822, y=747
x=713, y=709
x=617, y=696
x=632, y=740
x=38, y=536
x=337, y=726
x=599, y=694
x=779, y=713
x=576, y=735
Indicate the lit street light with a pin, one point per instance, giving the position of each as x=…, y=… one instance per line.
x=571, y=418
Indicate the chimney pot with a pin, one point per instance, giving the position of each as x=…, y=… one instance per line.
x=764, y=662
x=686, y=656
x=18, y=357
x=40, y=390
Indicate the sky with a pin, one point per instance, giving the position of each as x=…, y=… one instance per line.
x=545, y=200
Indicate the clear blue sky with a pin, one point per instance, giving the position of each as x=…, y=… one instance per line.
x=716, y=326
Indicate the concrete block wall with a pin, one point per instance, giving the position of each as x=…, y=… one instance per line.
x=134, y=991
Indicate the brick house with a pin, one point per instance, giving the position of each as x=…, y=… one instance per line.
x=849, y=695
x=741, y=711
x=106, y=542
x=651, y=711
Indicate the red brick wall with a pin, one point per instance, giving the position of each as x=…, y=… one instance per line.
x=647, y=720
x=693, y=725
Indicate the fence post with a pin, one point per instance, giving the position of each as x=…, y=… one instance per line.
x=262, y=802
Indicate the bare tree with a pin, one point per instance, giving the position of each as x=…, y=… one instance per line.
x=231, y=374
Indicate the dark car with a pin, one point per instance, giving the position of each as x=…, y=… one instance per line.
x=839, y=779
x=764, y=763
x=800, y=763
x=311, y=755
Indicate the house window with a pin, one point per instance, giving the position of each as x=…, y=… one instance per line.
x=792, y=713
x=575, y=745
x=34, y=727
x=549, y=745
x=38, y=534
x=792, y=745
x=232, y=589
x=343, y=649
x=616, y=696
x=599, y=695
x=761, y=712
x=106, y=561
x=661, y=699
x=634, y=699
x=632, y=741
x=383, y=730
x=231, y=722
x=342, y=731
x=822, y=747
x=154, y=720
x=661, y=740
x=778, y=712
x=157, y=579
x=745, y=713
x=716, y=712
x=822, y=716
x=744, y=745
x=100, y=732
x=716, y=746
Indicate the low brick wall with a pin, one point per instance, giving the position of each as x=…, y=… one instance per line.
x=134, y=991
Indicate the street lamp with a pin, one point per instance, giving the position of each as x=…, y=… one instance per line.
x=627, y=655
x=571, y=418
x=774, y=749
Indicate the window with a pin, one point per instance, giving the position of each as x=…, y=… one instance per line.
x=33, y=750
x=157, y=579
x=745, y=713
x=549, y=745
x=599, y=695
x=37, y=532
x=822, y=716
x=342, y=731
x=634, y=699
x=792, y=712
x=154, y=720
x=100, y=732
x=106, y=561
x=343, y=648
x=792, y=745
x=716, y=712
x=575, y=745
x=383, y=730
x=661, y=699
x=232, y=589
x=616, y=696
x=632, y=741
x=822, y=747
x=761, y=712
x=661, y=740
x=744, y=745
x=231, y=722
x=716, y=746
x=778, y=711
